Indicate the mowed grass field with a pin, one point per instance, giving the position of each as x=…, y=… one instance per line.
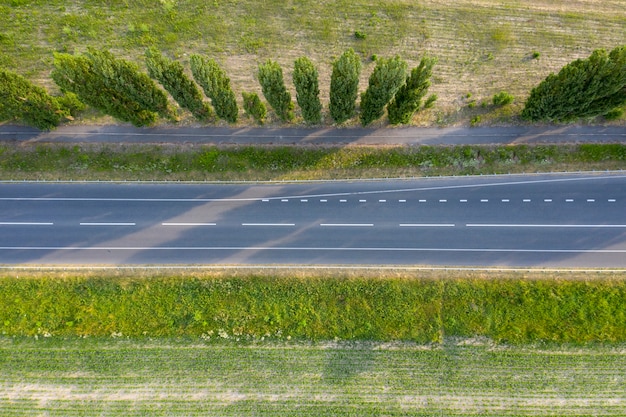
x=177, y=377
x=483, y=46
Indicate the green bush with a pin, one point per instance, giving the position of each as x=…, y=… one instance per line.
x=502, y=98
x=272, y=83
x=111, y=85
x=216, y=85
x=386, y=79
x=254, y=107
x=305, y=79
x=22, y=100
x=430, y=101
x=172, y=77
x=409, y=97
x=583, y=88
x=344, y=84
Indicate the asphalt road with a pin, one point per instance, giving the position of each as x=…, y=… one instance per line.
x=531, y=220
x=320, y=136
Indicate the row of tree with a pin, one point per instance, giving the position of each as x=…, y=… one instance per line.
x=584, y=88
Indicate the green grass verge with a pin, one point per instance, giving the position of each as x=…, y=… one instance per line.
x=131, y=378
x=151, y=162
x=483, y=47
x=421, y=307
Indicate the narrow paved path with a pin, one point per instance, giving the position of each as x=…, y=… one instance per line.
x=320, y=136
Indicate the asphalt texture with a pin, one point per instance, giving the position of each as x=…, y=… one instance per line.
x=319, y=136
x=573, y=220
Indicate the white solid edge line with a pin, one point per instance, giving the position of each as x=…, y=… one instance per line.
x=427, y=225
x=548, y=225
x=107, y=224
x=343, y=249
x=26, y=224
x=188, y=224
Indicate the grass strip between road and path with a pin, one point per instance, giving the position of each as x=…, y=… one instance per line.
x=119, y=162
x=422, y=307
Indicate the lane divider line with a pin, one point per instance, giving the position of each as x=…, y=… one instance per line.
x=346, y=224
x=26, y=224
x=268, y=224
x=427, y=225
x=188, y=224
x=106, y=224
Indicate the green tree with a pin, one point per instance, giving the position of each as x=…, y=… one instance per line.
x=124, y=76
x=254, y=107
x=113, y=86
x=305, y=78
x=387, y=78
x=344, y=84
x=216, y=86
x=409, y=97
x=172, y=77
x=272, y=83
x=22, y=100
x=583, y=88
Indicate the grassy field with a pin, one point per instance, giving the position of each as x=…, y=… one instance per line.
x=188, y=162
x=180, y=377
x=483, y=47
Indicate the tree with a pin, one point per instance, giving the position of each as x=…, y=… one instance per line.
x=22, y=100
x=124, y=76
x=172, y=77
x=409, y=97
x=254, y=107
x=305, y=78
x=344, y=84
x=273, y=86
x=216, y=86
x=387, y=78
x=583, y=88
x=113, y=86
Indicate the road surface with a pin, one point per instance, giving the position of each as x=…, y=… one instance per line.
x=574, y=220
x=320, y=136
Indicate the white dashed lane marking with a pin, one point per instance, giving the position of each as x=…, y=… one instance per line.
x=347, y=224
x=26, y=224
x=188, y=224
x=106, y=224
x=427, y=225
x=269, y=224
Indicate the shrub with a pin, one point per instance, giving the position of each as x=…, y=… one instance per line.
x=273, y=85
x=111, y=85
x=430, y=101
x=502, y=98
x=254, y=107
x=388, y=76
x=583, y=88
x=344, y=84
x=408, y=98
x=475, y=121
x=22, y=100
x=72, y=103
x=614, y=114
x=305, y=79
x=172, y=77
x=216, y=86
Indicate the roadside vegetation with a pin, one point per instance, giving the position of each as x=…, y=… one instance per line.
x=487, y=48
x=421, y=307
x=253, y=163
